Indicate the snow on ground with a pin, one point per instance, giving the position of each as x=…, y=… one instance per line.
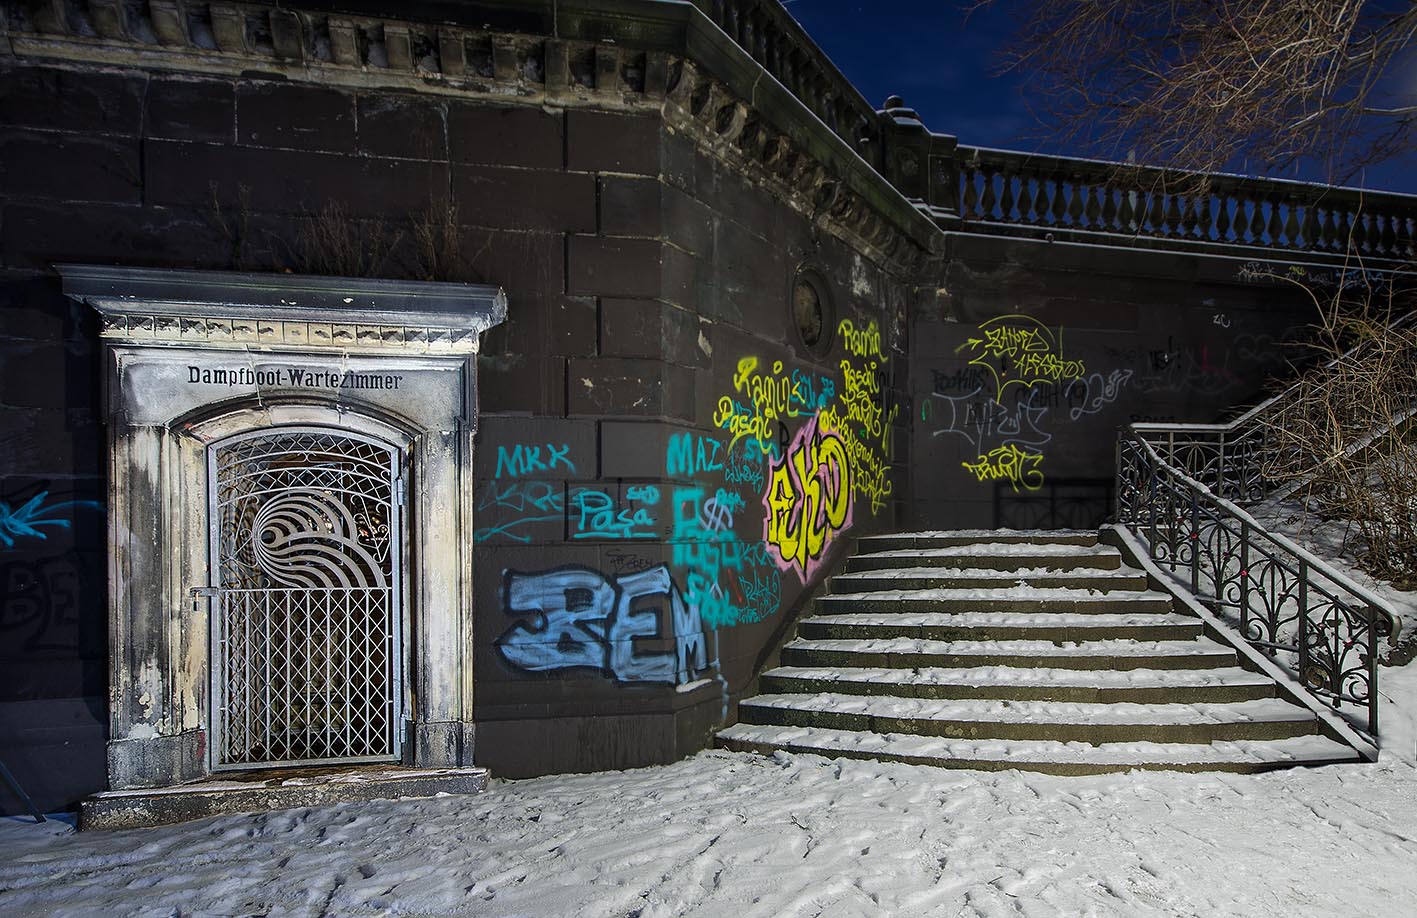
x=738, y=835
x=744, y=836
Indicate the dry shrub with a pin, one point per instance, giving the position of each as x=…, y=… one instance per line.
x=428, y=245
x=438, y=245
x=1343, y=438
x=330, y=241
x=1203, y=85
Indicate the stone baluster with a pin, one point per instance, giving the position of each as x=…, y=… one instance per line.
x=969, y=172
x=1040, y=196
x=1173, y=216
x=1274, y=227
x=1311, y=226
x=1109, y=207
x=1156, y=213
x=1093, y=211
x=986, y=198
x=1059, y=208
x=1291, y=221
x=1074, y=191
x=1255, y=232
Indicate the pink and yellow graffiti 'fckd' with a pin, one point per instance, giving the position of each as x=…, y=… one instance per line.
x=808, y=500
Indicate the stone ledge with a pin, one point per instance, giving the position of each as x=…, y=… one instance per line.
x=272, y=790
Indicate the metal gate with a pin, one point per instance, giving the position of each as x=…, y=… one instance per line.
x=306, y=542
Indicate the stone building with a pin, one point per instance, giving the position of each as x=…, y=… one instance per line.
x=471, y=382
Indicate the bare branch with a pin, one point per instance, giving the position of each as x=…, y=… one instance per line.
x=1202, y=84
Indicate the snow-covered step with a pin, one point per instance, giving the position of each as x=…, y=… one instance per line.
x=1025, y=683
x=999, y=599
x=1003, y=626
x=941, y=538
x=993, y=556
x=1094, y=655
x=926, y=578
x=1018, y=650
x=1051, y=757
x=1267, y=718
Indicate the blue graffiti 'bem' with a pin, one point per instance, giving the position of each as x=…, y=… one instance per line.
x=25, y=521
x=585, y=619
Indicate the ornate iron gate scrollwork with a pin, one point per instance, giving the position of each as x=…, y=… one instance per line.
x=306, y=646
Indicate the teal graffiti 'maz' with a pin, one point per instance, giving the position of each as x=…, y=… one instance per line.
x=25, y=520
x=688, y=455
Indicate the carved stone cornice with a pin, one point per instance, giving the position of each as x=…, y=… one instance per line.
x=334, y=49
x=705, y=109
x=236, y=310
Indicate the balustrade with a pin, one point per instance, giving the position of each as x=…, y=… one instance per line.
x=1003, y=189
x=1093, y=200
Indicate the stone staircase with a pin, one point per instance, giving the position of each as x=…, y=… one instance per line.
x=1030, y=650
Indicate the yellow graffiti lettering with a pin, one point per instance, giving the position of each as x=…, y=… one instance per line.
x=1022, y=350
x=865, y=342
x=1009, y=463
x=870, y=472
x=1011, y=341
x=742, y=421
x=861, y=397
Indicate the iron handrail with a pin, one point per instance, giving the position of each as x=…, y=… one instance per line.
x=1281, y=597
x=1226, y=455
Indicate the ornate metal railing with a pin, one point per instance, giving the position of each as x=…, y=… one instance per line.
x=1228, y=458
x=1279, y=597
x=1094, y=197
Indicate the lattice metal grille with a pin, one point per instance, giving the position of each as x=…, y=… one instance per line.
x=305, y=631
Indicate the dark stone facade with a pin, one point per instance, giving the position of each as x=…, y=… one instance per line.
x=726, y=356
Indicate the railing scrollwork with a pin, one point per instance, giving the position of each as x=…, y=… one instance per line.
x=1282, y=599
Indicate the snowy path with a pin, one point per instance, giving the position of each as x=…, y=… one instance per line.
x=740, y=836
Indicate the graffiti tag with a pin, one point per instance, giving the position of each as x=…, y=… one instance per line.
x=577, y=617
x=808, y=499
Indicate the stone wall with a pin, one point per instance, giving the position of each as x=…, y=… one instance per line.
x=638, y=559
x=1033, y=353
x=648, y=392
x=731, y=348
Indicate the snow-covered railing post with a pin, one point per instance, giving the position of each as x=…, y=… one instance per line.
x=1283, y=600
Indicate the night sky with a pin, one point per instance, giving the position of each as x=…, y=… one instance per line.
x=944, y=62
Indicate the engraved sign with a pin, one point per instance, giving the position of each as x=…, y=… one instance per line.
x=291, y=377
x=159, y=385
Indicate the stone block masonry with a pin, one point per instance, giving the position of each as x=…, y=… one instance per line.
x=732, y=346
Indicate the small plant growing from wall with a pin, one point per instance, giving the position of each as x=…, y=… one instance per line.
x=333, y=242
x=430, y=245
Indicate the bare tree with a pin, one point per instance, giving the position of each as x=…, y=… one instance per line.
x=1202, y=84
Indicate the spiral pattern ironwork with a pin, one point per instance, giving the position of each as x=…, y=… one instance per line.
x=311, y=540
